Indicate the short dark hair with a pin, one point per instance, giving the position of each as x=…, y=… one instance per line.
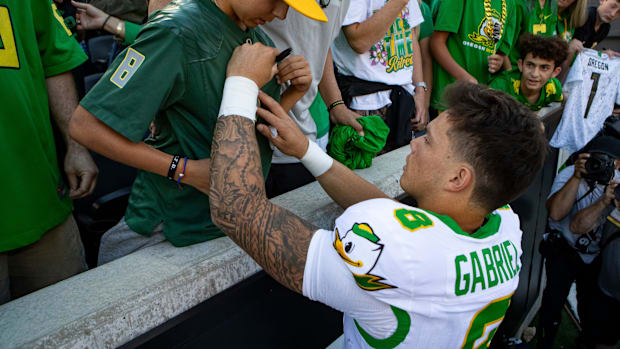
x=499, y=137
x=551, y=48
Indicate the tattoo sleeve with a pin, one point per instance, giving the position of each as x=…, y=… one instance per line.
x=277, y=239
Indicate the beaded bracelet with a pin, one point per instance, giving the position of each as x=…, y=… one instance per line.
x=182, y=174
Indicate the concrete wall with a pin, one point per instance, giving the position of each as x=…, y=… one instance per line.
x=109, y=305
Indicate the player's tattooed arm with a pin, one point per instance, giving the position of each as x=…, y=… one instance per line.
x=277, y=239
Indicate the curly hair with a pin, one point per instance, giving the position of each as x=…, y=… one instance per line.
x=549, y=48
x=499, y=137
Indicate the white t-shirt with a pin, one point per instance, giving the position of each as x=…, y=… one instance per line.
x=310, y=39
x=390, y=61
x=592, y=86
x=407, y=278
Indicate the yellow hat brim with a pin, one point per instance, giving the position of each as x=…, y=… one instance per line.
x=308, y=8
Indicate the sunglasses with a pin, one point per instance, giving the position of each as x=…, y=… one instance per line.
x=324, y=3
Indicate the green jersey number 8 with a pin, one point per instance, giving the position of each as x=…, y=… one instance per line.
x=8, y=47
x=485, y=323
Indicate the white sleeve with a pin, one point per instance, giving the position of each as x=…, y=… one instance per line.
x=561, y=179
x=327, y=280
x=574, y=74
x=415, y=14
x=357, y=13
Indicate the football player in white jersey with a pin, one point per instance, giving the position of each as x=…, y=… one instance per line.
x=437, y=276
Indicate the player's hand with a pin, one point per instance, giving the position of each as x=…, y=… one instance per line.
x=609, y=196
x=81, y=171
x=289, y=139
x=420, y=118
x=88, y=17
x=575, y=45
x=580, y=165
x=295, y=69
x=256, y=62
x=341, y=115
x=495, y=63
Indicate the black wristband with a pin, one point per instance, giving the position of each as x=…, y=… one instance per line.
x=333, y=105
x=106, y=21
x=173, y=167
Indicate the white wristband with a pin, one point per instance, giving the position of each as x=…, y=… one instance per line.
x=316, y=160
x=239, y=97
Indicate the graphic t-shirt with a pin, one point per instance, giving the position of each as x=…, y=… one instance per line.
x=389, y=61
x=478, y=28
x=592, y=88
x=510, y=82
x=409, y=278
x=35, y=44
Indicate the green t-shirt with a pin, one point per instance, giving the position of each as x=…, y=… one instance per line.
x=433, y=5
x=174, y=73
x=538, y=21
x=471, y=40
x=510, y=82
x=426, y=28
x=34, y=44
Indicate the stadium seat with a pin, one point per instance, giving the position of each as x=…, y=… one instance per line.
x=100, y=49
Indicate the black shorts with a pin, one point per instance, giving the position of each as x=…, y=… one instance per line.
x=605, y=324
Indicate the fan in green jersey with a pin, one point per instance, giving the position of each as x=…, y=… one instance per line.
x=534, y=83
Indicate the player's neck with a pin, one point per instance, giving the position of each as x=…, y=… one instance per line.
x=469, y=218
x=597, y=22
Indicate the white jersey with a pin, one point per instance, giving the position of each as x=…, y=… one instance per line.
x=409, y=278
x=592, y=86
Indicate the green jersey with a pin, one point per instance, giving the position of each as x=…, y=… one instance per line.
x=426, y=28
x=538, y=21
x=34, y=44
x=174, y=74
x=476, y=32
x=510, y=82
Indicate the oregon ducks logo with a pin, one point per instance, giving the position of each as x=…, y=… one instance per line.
x=488, y=35
x=360, y=248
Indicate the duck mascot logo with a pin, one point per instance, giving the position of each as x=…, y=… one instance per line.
x=360, y=248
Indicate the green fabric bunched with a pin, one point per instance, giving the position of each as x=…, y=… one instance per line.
x=353, y=150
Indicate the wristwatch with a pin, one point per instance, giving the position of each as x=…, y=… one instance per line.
x=421, y=84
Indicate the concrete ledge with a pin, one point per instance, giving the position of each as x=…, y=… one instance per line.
x=109, y=305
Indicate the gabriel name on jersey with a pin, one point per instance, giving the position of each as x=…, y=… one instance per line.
x=413, y=273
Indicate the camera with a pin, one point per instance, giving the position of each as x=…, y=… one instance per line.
x=599, y=168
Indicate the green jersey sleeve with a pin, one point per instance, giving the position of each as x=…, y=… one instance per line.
x=426, y=28
x=502, y=82
x=449, y=15
x=59, y=51
x=146, y=77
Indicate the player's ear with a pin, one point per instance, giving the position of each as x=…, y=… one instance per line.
x=520, y=64
x=461, y=179
x=556, y=72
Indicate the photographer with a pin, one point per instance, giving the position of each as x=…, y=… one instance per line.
x=606, y=305
x=581, y=197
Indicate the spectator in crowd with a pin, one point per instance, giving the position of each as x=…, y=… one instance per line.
x=606, y=302
x=379, y=61
x=534, y=83
x=310, y=39
x=180, y=64
x=470, y=41
x=424, y=38
x=40, y=242
x=535, y=17
x=572, y=14
x=596, y=28
x=91, y=18
x=372, y=267
x=577, y=206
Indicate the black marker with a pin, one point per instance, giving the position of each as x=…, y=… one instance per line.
x=280, y=57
